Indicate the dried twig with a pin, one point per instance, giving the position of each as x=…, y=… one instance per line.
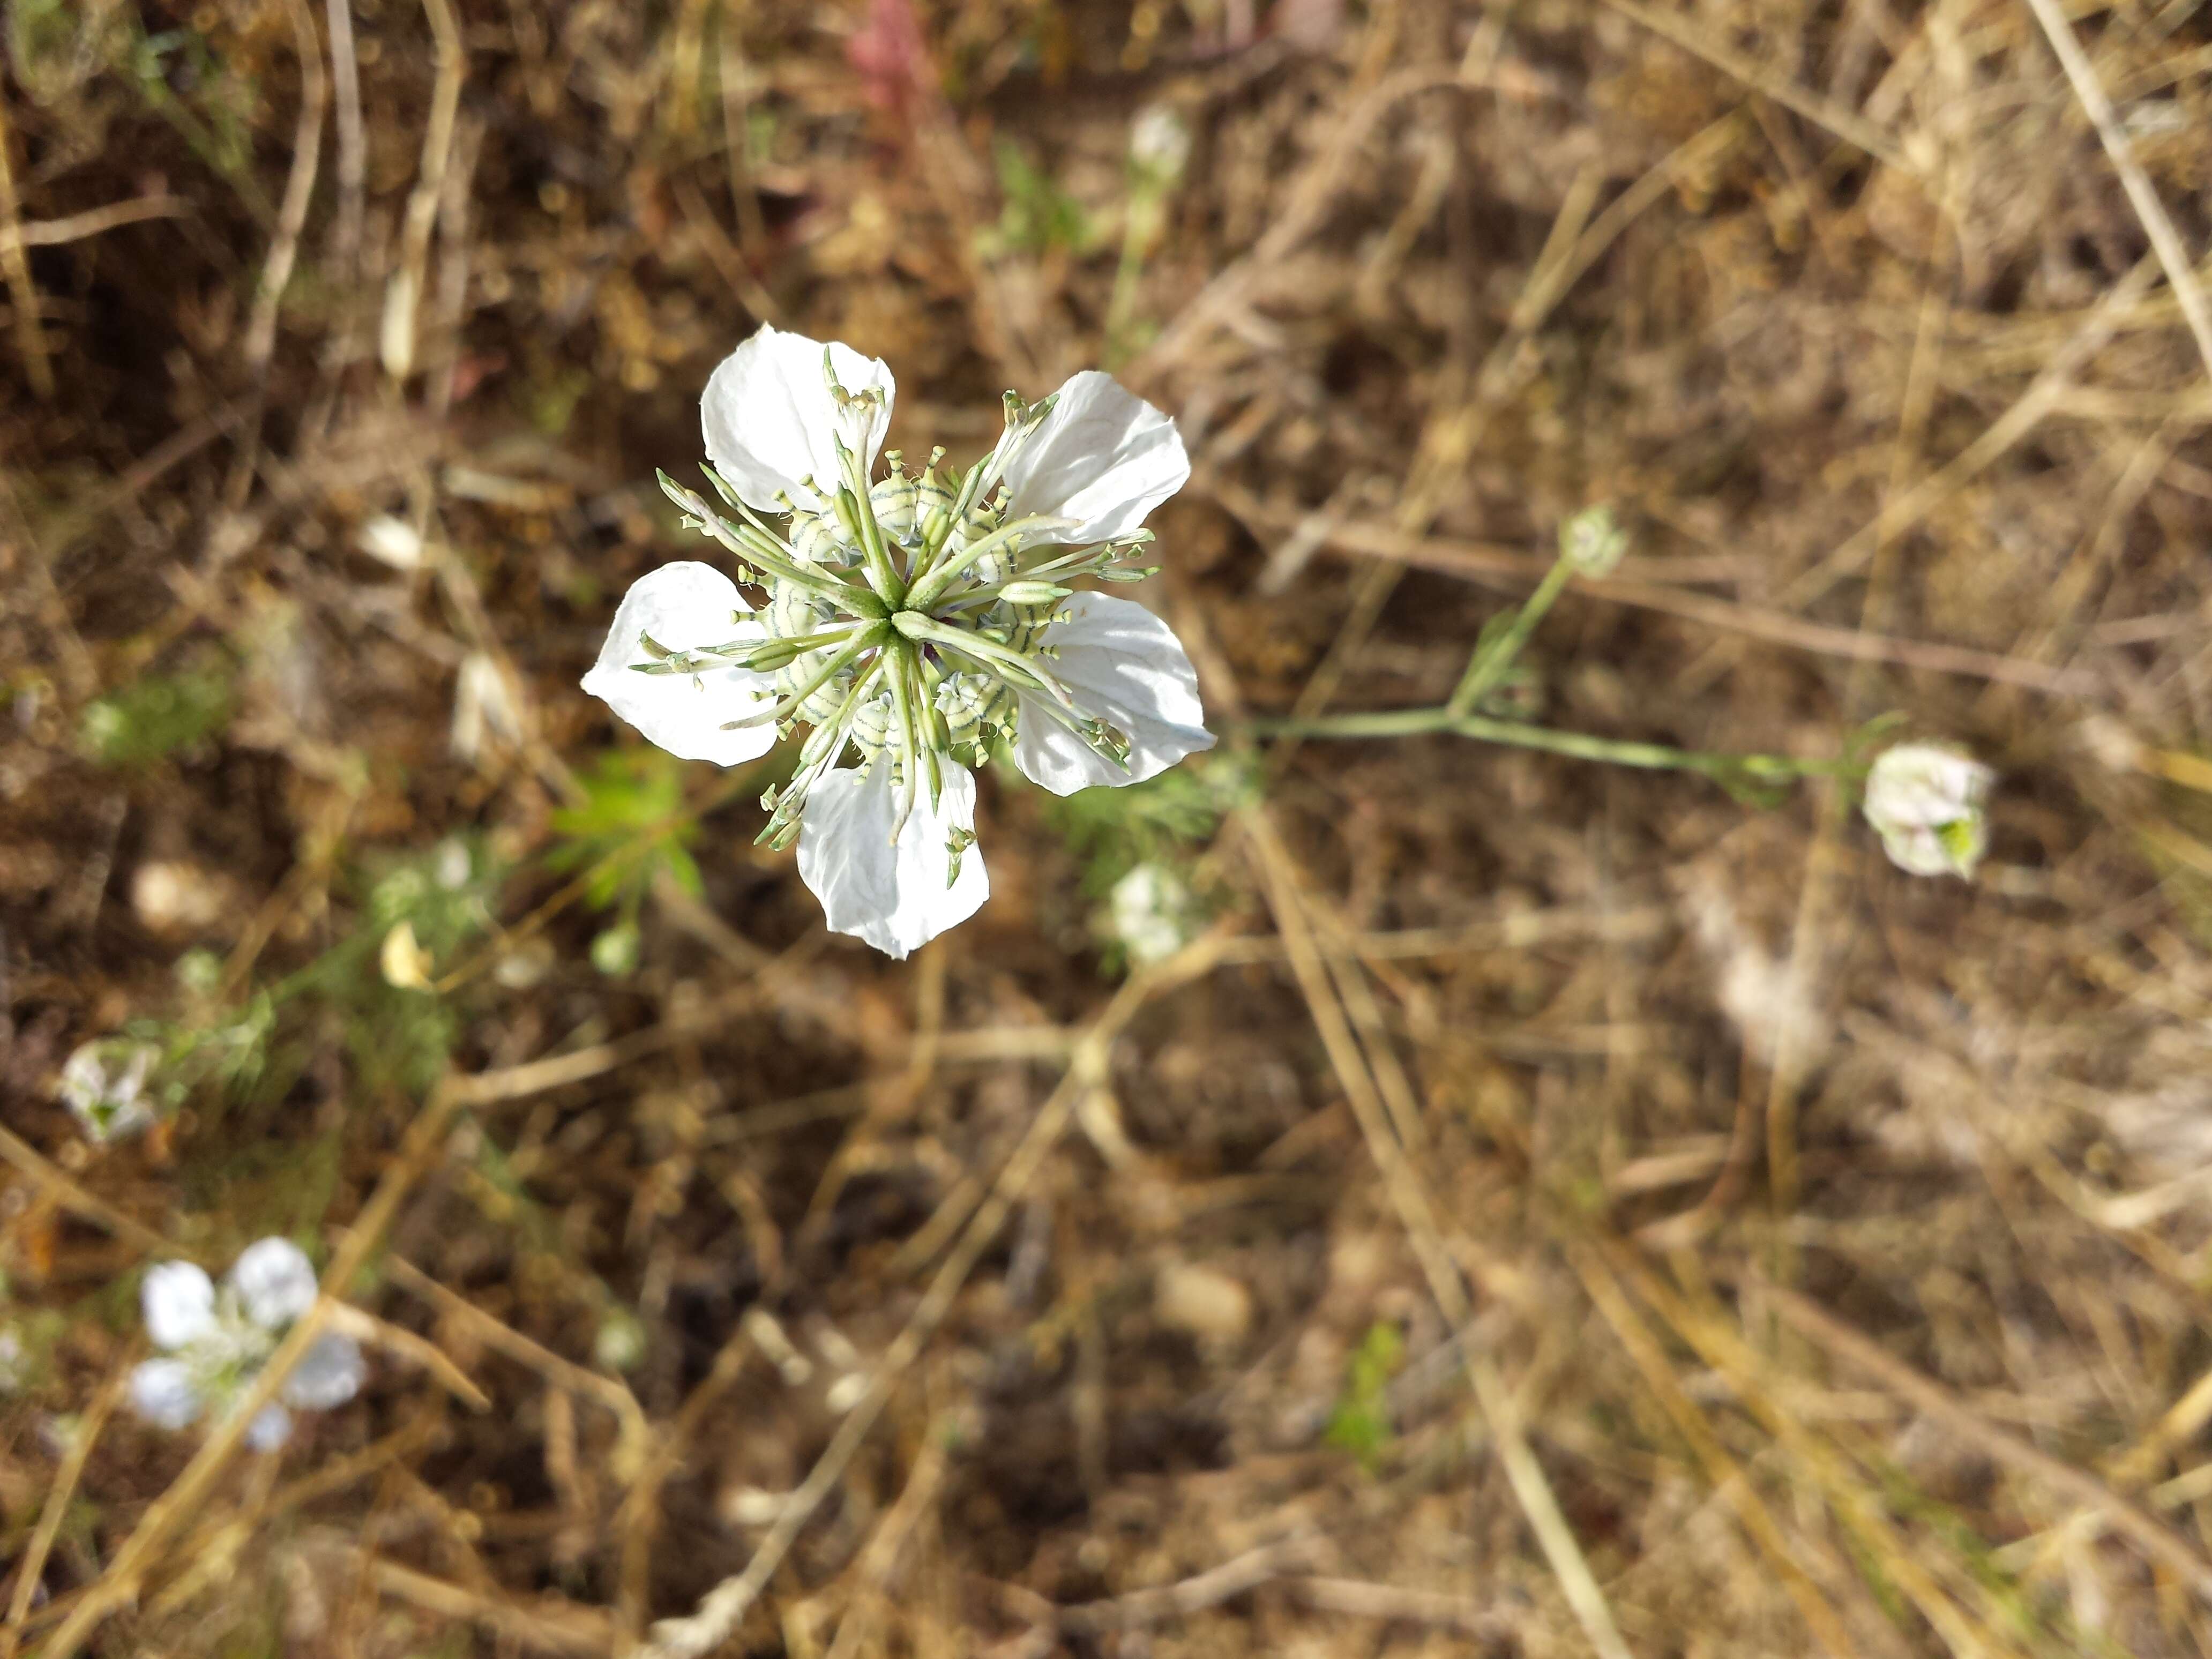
x=2156, y=1540
x=24, y=292
x=396, y=343
x=31, y=1568
x=723, y=1607
x=94, y=222
x=2157, y=225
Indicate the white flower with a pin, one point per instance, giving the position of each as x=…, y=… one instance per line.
x=1592, y=542
x=770, y=418
x=663, y=617
x=1152, y=912
x=390, y=541
x=898, y=903
x=484, y=707
x=215, y=1343
x=1924, y=799
x=914, y=622
x=1159, y=143
x=104, y=1084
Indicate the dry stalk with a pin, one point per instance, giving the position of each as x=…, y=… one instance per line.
x=396, y=344
x=21, y=289
x=31, y=1566
x=723, y=1607
x=1417, y=1214
x=2157, y=225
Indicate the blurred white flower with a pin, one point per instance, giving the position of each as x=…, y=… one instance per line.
x=1925, y=801
x=1152, y=913
x=1159, y=144
x=104, y=1084
x=914, y=621
x=484, y=707
x=405, y=964
x=1592, y=542
x=390, y=541
x=214, y=1342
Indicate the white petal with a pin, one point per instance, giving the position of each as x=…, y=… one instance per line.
x=769, y=417
x=895, y=899
x=1104, y=458
x=270, y=1428
x=1123, y=665
x=161, y=1392
x=179, y=1302
x=275, y=1282
x=684, y=605
x=329, y=1373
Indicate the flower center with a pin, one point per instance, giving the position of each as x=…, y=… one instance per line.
x=908, y=618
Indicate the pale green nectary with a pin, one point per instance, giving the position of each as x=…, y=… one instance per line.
x=914, y=624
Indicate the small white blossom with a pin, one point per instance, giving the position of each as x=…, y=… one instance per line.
x=1925, y=801
x=214, y=1342
x=1152, y=913
x=1159, y=144
x=484, y=708
x=104, y=1083
x=914, y=622
x=1592, y=542
x=405, y=964
x=390, y=541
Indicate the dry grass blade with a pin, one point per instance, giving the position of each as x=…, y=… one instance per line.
x=569, y=1629
x=2160, y=1542
x=24, y=292
x=724, y=1607
x=2027, y=411
x=1417, y=1214
x=404, y=294
x=31, y=1565
x=1846, y=123
x=1726, y=1476
x=118, y=1584
x=2157, y=223
x=94, y=222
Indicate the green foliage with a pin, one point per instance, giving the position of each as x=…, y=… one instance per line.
x=56, y=45
x=1361, y=1422
x=1160, y=820
x=209, y=102
x=398, y=1036
x=155, y=716
x=632, y=825
x=1038, y=215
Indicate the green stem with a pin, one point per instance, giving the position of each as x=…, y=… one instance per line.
x=1492, y=656
x=1581, y=746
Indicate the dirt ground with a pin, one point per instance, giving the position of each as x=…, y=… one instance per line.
x=1550, y=1208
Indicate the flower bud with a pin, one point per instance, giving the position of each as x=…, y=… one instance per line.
x=615, y=952
x=1592, y=542
x=776, y=654
x=406, y=963
x=1153, y=913
x=104, y=1086
x=1033, y=592
x=1924, y=800
x=1159, y=145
